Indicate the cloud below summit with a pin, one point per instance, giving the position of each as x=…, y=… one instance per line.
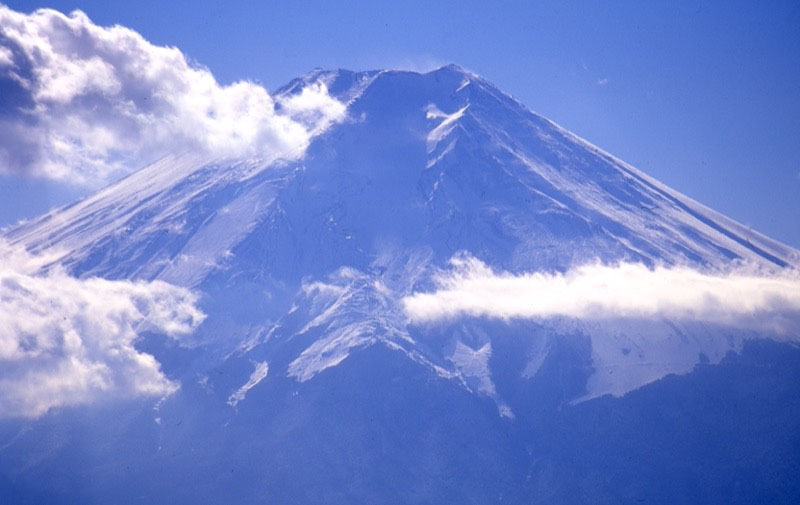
x=67, y=341
x=84, y=103
x=740, y=298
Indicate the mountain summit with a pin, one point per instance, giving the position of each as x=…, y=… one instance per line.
x=422, y=158
x=312, y=379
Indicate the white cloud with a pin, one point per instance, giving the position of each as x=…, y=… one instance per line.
x=90, y=103
x=421, y=64
x=313, y=107
x=6, y=57
x=66, y=341
x=740, y=298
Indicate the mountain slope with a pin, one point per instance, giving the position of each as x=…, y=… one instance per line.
x=447, y=148
x=425, y=166
x=303, y=267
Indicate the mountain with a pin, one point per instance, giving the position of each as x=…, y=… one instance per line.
x=309, y=382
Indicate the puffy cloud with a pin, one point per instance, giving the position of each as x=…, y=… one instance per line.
x=739, y=298
x=313, y=107
x=85, y=103
x=66, y=341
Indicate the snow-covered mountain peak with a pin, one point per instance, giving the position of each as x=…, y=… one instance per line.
x=304, y=260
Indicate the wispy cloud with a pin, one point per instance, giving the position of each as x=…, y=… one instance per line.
x=86, y=103
x=741, y=298
x=66, y=341
x=419, y=63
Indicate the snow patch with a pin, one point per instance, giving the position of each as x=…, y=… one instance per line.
x=331, y=350
x=444, y=128
x=540, y=348
x=474, y=364
x=259, y=373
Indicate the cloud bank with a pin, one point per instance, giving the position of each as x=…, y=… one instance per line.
x=741, y=298
x=84, y=103
x=66, y=341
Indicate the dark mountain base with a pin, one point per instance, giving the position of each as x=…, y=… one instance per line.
x=381, y=429
x=723, y=434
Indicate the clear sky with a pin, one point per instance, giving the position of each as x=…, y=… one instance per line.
x=703, y=96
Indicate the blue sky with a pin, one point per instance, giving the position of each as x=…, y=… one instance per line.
x=703, y=96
